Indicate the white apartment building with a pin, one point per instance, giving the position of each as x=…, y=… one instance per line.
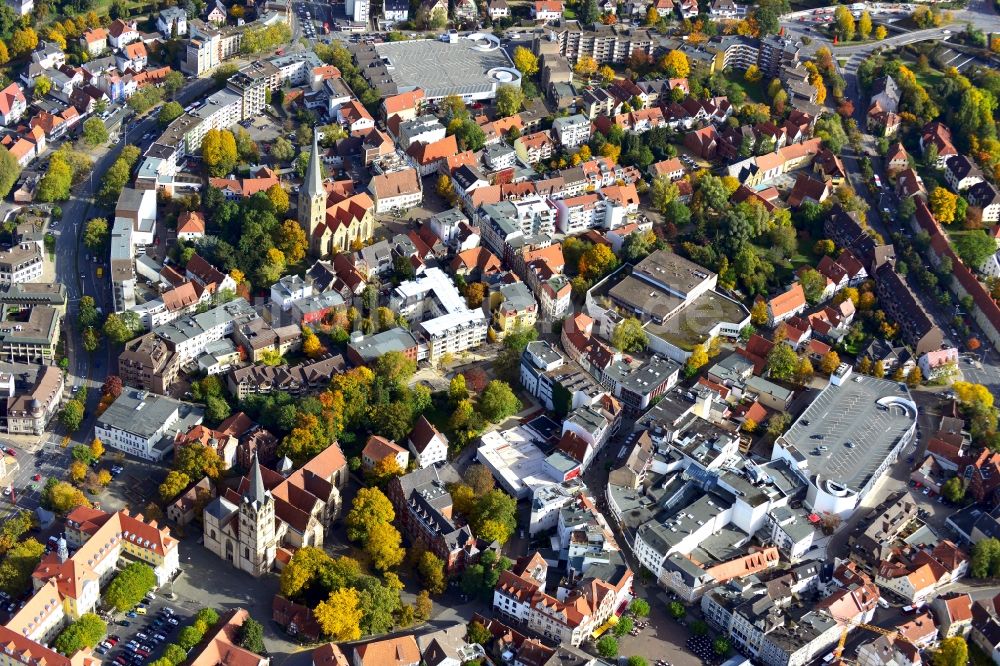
x=588, y=211
x=21, y=263
x=188, y=336
x=446, y=323
x=358, y=10
x=572, y=131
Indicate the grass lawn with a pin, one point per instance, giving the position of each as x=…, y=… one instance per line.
x=569, y=14
x=755, y=91
x=930, y=78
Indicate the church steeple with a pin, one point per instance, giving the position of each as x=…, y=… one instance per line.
x=312, y=195
x=314, y=174
x=255, y=493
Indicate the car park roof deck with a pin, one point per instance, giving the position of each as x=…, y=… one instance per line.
x=858, y=422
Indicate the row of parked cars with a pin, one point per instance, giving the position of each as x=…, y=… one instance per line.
x=137, y=650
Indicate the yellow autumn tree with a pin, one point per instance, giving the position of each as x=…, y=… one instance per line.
x=675, y=64
x=340, y=615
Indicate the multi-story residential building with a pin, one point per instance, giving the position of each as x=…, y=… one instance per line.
x=300, y=379
x=520, y=594
x=396, y=190
x=903, y=307
x=961, y=173
x=422, y=129
x=145, y=424
x=12, y=104
x=611, y=44
x=513, y=308
x=172, y=22
x=21, y=263
x=441, y=320
x=189, y=335
x=32, y=395
x=148, y=363
x=394, y=11
x=30, y=336
x=358, y=10
x=424, y=506
x=572, y=131
x=378, y=449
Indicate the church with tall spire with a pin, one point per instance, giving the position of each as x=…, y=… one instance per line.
x=334, y=216
x=312, y=194
x=269, y=515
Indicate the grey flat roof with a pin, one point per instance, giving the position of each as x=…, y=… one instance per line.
x=371, y=347
x=126, y=414
x=690, y=326
x=846, y=413
x=440, y=68
x=672, y=269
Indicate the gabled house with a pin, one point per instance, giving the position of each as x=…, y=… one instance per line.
x=427, y=444
x=12, y=104
x=121, y=33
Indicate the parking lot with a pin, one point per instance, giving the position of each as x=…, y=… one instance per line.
x=140, y=636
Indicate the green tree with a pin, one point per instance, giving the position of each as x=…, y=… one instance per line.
x=844, y=23
x=10, y=171
x=58, y=178
x=173, y=82
x=169, y=112
x=629, y=336
x=985, y=558
x=129, y=586
x=383, y=546
x=721, y=646
x=974, y=247
x=63, y=497
x=475, y=632
x=17, y=566
x=43, y=85
x=251, y=636
x=71, y=415
x=639, y=608
x=607, y=646
x=96, y=233
x=662, y=192
x=198, y=460
x=525, y=61
x=218, y=151
x=597, y=261
x=677, y=610
x=282, y=149
x=953, y=489
x=457, y=389
x=122, y=327
x=494, y=516
x=813, y=284
x=94, y=132
x=431, y=570
x=782, y=362
x=509, y=100
x=865, y=25
x=86, y=632
x=497, y=401
x=175, y=483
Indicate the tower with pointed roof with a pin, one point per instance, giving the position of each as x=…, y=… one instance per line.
x=312, y=195
x=258, y=541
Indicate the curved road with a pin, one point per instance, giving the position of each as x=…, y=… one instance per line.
x=79, y=276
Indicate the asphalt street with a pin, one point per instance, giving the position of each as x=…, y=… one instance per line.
x=79, y=275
